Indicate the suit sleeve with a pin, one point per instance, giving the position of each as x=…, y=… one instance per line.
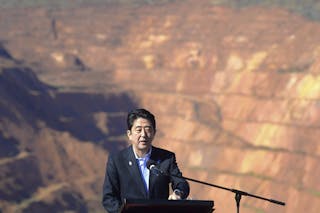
x=178, y=183
x=111, y=190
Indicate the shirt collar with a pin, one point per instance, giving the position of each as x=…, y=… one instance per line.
x=146, y=157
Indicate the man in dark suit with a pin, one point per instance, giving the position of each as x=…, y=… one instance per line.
x=127, y=175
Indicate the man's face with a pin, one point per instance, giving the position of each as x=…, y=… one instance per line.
x=141, y=135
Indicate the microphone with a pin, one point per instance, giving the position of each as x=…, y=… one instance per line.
x=151, y=165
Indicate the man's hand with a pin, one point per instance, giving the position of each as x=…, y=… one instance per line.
x=176, y=195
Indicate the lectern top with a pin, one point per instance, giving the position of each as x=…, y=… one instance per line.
x=167, y=206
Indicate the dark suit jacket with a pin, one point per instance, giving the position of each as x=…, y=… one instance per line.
x=123, y=178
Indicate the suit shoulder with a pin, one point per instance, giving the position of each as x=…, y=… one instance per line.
x=163, y=152
x=120, y=154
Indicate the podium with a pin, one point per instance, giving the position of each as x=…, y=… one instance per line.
x=166, y=206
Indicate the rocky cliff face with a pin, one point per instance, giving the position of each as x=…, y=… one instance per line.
x=236, y=94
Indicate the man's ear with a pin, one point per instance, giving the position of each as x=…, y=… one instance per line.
x=128, y=133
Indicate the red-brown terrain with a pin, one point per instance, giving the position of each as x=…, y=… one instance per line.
x=236, y=93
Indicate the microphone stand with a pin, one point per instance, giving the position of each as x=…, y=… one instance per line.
x=238, y=193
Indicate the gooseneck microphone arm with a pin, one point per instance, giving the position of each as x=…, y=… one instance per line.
x=238, y=194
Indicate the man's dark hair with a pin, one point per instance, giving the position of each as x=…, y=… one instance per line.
x=140, y=113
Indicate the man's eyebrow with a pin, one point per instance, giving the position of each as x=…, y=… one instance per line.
x=148, y=126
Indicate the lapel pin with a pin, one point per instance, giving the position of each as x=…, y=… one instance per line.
x=130, y=163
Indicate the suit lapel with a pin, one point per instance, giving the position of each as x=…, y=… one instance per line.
x=134, y=170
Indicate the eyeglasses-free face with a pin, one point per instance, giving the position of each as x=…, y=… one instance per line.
x=141, y=135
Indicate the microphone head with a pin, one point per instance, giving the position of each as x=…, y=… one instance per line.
x=150, y=164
